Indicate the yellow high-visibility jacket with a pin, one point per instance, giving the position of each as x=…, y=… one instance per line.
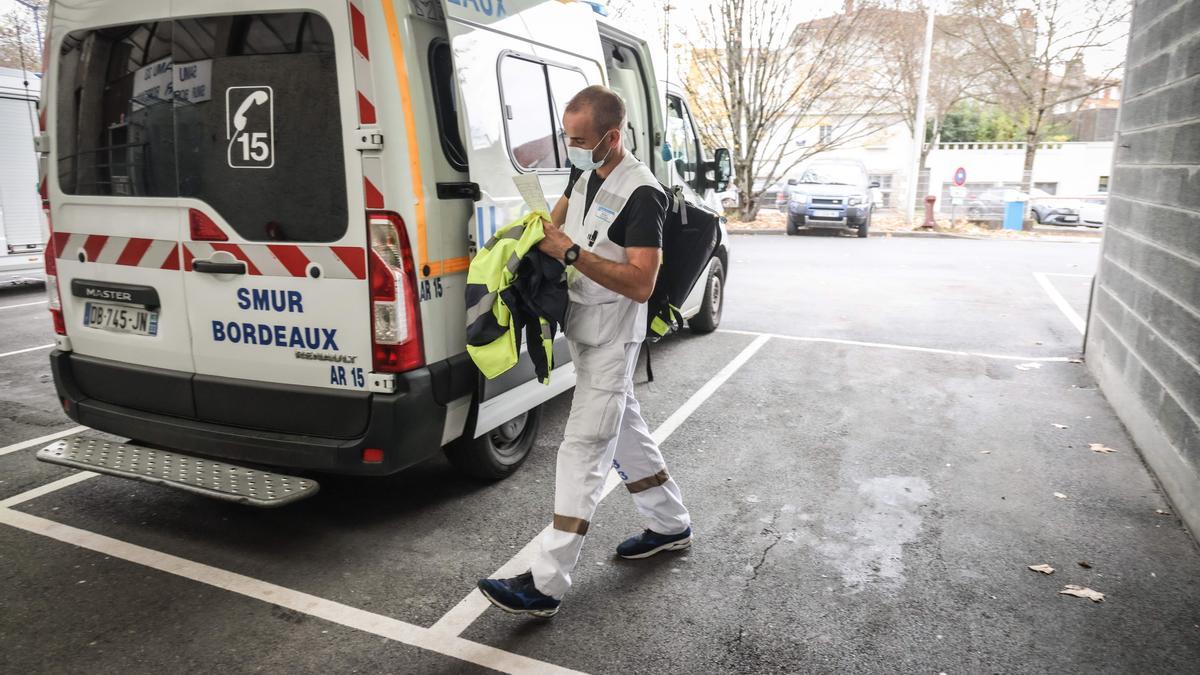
x=492, y=334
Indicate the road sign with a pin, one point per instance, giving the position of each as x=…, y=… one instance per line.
x=960, y=176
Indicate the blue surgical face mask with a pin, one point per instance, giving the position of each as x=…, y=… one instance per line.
x=582, y=158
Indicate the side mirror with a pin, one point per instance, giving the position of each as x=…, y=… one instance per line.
x=874, y=184
x=793, y=181
x=722, y=169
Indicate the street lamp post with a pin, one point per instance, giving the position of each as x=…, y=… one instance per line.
x=37, y=24
x=919, y=121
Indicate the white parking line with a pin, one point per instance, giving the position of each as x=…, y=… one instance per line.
x=906, y=348
x=27, y=304
x=1060, y=301
x=23, y=351
x=46, y=489
x=470, y=608
x=40, y=439
x=335, y=612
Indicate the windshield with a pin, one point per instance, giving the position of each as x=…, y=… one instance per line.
x=832, y=174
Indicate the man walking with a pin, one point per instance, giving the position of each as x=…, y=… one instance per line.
x=607, y=229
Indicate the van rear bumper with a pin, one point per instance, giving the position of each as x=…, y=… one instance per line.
x=407, y=425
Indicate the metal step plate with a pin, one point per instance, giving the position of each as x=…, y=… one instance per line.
x=203, y=476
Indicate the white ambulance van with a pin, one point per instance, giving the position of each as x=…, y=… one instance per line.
x=21, y=239
x=263, y=212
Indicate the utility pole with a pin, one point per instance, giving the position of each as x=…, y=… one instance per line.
x=37, y=25
x=919, y=122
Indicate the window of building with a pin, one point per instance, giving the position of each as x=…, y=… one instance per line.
x=533, y=93
x=884, y=189
x=1103, y=186
x=826, y=131
x=1048, y=188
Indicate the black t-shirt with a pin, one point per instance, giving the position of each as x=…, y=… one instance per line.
x=640, y=223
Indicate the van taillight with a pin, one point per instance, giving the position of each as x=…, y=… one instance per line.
x=53, y=300
x=395, y=314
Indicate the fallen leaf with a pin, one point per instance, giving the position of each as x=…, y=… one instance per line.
x=1162, y=512
x=1043, y=568
x=1082, y=592
x=1028, y=366
x=985, y=452
x=1060, y=495
x=1101, y=448
x=1061, y=426
x=1074, y=360
x=1085, y=564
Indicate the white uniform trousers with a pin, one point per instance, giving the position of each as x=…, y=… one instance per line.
x=605, y=429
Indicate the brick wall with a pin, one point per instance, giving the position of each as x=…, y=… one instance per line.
x=1144, y=329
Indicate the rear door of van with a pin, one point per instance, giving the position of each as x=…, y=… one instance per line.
x=203, y=223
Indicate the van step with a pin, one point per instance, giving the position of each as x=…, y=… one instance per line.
x=219, y=480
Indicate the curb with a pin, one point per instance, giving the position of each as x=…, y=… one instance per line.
x=906, y=233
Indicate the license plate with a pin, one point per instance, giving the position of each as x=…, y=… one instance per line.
x=120, y=319
x=1070, y=219
x=822, y=213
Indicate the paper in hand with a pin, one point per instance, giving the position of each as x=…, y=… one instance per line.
x=531, y=191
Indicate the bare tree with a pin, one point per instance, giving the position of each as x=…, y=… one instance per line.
x=957, y=72
x=19, y=46
x=759, y=84
x=1038, y=48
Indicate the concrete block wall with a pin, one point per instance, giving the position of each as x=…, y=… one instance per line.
x=1143, y=340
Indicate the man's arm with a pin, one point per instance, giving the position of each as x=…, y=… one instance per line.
x=558, y=214
x=633, y=279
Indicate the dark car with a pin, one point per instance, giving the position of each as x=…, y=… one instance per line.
x=829, y=194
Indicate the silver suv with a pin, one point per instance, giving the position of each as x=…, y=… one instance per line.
x=829, y=194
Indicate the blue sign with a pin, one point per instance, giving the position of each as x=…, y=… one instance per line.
x=960, y=176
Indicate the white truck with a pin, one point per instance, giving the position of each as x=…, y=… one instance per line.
x=262, y=221
x=21, y=239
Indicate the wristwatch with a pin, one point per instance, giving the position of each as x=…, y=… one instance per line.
x=571, y=255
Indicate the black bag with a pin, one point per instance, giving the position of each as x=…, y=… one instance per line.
x=691, y=234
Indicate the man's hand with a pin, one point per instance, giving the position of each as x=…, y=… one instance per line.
x=556, y=242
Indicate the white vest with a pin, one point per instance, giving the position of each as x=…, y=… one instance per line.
x=596, y=315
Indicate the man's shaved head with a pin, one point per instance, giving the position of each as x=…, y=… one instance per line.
x=607, y=110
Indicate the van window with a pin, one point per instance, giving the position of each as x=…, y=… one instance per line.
x=240, y=112
x=684, y=147
x=628, y=79
x=530, y=119
x=441, y=69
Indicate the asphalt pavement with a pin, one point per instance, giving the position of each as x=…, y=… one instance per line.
x=881, y=439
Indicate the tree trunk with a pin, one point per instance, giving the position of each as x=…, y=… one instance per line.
x=929, y=143
x=748, y=203
x=1031, y=144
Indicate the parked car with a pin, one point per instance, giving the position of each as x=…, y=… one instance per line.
x=1050, y=210
x=989, y=204
x=830, y=194
x=1091, y=213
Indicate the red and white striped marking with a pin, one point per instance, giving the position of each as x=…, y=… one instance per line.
x=268, y=260
x=362, y=64
x=364, y=83
x=285, y=260
x=160, y=254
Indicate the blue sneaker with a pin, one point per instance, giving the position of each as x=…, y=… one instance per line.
x=650, y=542
x=518, y=595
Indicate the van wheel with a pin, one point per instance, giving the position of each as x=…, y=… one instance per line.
x=709, y=316
x=498, y=453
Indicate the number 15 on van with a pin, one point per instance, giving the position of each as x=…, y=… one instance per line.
x=250, y=127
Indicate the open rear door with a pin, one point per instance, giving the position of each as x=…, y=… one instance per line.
x=516, y=65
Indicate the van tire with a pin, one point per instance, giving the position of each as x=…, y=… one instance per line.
x=709, y=316
x=498, y=453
